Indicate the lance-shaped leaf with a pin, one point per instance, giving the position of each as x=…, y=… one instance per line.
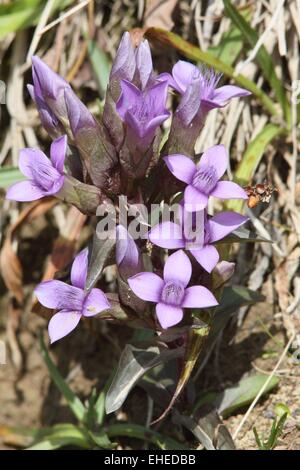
x=208, y=428
x=133, y=364
x=243, y=235
x=92, y=141
x=100, y=257
x=243, y=393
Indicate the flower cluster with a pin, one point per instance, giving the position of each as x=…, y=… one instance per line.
x=95, y=161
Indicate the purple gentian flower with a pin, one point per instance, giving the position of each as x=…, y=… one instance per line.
x=171, y=293
x=172, y=235
x=184, y=73
x=203, y=179
x=143, y=111
x=71, y=301
x=46, y=177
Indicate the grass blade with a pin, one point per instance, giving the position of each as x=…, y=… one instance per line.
x=73, y=401
x=263, y=58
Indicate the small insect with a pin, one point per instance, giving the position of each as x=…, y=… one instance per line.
x=261, y=192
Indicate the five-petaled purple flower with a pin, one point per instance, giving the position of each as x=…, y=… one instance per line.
x=143, y=111
x=198, y=240
x=184, y=73
x=71, y=301
x=171, y=293
x=203, y=179
x=46, y=177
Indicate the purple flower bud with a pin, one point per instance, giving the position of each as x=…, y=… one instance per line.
x=203, y=179
x=142, y=111
x=223, y=271
x=144, y=66
x=171, y=293
x=49, y=88
x=92, y=141
x=48, y=119
x=45, y=177
x=123, y=67
x=71, y=301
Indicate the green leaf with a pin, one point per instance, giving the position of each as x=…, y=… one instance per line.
x=101, y=252
x=101, y=439
x=73, y=401
x=231, y=42
x=243, y=235
x=252, y=158
x=20, y=14
x=101, y=66
x=63, y=435
x=263, y=58
x=9, y=176
x=145, y=434
x=133, y=364
x=208, y=428
x=243, y=393
x=194, y=53
x=234, y=297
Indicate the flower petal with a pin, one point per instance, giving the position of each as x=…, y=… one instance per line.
x=59, y=295
x=207, y=257
x=79, y=269
x=178, y=268
x=216, y=156
x=95, y=302
x=58, y=153
x=168, y=315
x=224, y=223
x=184, y=73
x=147, y=286
x=223, y=94
x=29, y=158
x=129, y=98
x=56, y=187
x=24, y=191
x=229, y=190
x=144, y=65
x=182, y=167
x=194, y=201
x=167, y=235
x=198, y=297
x=62, y=323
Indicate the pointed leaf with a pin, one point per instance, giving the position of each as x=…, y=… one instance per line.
x=133, y=364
